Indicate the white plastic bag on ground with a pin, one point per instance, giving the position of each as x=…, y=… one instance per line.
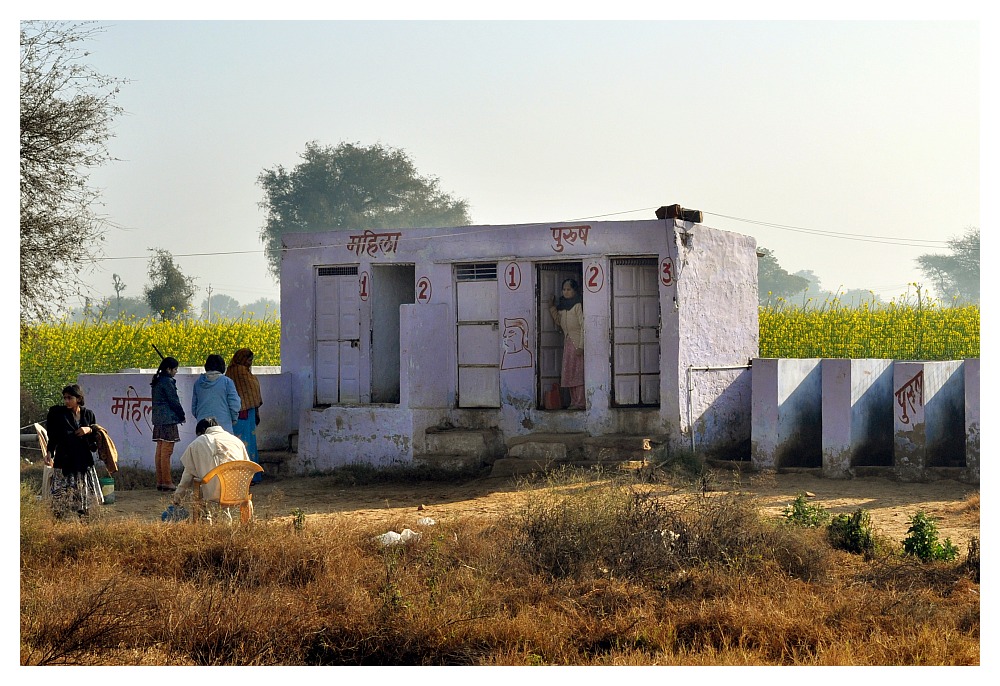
x=388, y=538
x=426, y=521
x=392, y=538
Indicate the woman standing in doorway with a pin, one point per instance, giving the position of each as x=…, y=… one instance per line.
x=167, y=415
x=248, y=388
x=567, y=314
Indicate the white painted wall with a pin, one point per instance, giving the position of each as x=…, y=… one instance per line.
x=712, y=283
x=128, y=420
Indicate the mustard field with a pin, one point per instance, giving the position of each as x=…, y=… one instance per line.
x=53, y=354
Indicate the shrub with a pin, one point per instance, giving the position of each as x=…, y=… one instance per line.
x=922, y=540
x=854, y=533
x=617, y=529
x=802, y=513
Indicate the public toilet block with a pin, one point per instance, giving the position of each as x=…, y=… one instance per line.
x=392, y=338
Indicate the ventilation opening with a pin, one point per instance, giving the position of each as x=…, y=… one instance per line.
x=476, y=272
x=338, y=271
x=637, y=261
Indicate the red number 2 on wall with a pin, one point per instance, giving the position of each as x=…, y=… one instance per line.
x=423, y=289
x=594, y=277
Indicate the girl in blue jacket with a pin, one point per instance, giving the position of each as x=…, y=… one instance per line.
x=215, y=394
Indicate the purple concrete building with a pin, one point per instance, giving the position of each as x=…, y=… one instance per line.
x=395, y=339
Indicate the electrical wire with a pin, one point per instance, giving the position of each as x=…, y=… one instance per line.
x=888, y=240
x=868, y=238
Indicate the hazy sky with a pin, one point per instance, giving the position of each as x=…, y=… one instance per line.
x=866, y=129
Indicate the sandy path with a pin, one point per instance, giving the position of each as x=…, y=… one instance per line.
x=890, y=503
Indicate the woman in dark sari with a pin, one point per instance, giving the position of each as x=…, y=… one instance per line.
x=70, y=452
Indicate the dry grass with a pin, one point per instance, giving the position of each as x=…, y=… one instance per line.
x=582, y=576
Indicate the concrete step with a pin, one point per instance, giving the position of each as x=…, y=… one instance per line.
x=544, y=451
x=449, y=461
x=458, y=442
x=275, y=462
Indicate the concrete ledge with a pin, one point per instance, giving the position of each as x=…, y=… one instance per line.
x=542, y=451
x=458, y=463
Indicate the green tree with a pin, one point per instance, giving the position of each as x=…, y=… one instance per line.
x=67, y=110
x=773, y=281
x=169, y=292
x=854, y=297
x=351, y=187
x=262, y=308
x=223, y=307
x=955, y=276
x=134, y=307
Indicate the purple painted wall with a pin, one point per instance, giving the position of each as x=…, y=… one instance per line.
x=707, y=299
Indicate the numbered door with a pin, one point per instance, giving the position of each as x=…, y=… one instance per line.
x=478, y=335
x=635, y=311
x=550, y=339
x=338, y=336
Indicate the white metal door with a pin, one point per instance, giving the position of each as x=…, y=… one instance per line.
x=478, y=335
x=338, y=334
x=635, y=332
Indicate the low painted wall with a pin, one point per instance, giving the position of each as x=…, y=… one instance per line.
x=122, y=404
x=856, y=416
x=971, y=370
x=912, y=417
x=929, y=426
x=787, y=408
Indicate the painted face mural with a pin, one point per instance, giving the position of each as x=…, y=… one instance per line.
x=515, y=344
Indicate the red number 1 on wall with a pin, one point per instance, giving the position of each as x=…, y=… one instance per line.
x=512, y=276
x=363, y=286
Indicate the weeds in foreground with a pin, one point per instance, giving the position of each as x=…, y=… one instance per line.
x=922, y=540
x=621, y=574
x=803, y=513
x=855, y=533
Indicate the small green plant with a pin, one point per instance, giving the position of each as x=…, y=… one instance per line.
x=299, y=518
x=802, y=513
x=922, y=540
x=853, y=533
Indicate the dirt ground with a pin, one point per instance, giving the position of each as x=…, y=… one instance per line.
x=394, y=506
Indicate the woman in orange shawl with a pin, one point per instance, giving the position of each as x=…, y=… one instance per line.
x=248, y=387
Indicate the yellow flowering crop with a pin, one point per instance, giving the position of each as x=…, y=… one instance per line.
x=53, y=354
x=893, y=331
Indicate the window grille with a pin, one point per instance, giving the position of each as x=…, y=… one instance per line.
x=476, y=271
x=338, y=271
x=637, y=261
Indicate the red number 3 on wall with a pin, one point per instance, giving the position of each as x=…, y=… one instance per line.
x=667, y=271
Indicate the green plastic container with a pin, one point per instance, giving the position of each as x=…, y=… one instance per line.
x=108, y=489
